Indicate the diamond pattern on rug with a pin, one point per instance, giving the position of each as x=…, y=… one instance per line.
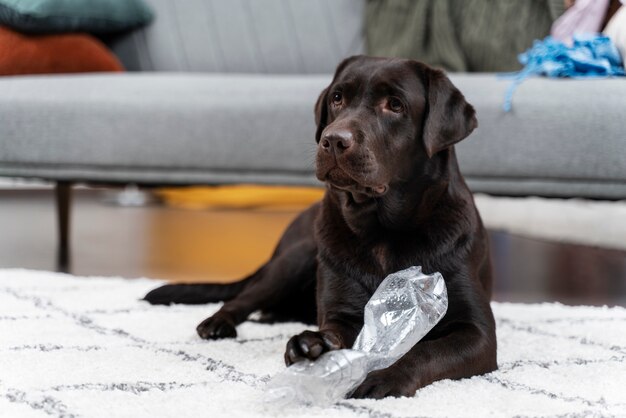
x=89, y=347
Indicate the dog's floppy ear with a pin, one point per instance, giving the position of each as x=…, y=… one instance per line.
x=321, y=108
x=449, y=117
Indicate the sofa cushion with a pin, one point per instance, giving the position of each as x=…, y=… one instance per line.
x=245, y=36
x=162, y=128
x=55, y=16
x=46, y=54
x=563, y=137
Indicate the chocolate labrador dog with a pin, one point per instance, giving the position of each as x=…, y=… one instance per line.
x=395, y=198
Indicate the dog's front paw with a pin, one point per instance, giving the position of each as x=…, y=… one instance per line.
x=310, y=345
x=216, y=327
x=387, y=382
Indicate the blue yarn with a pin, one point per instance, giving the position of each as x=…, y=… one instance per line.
x=591, y=55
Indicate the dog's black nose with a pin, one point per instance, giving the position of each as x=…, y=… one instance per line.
x=339, y=141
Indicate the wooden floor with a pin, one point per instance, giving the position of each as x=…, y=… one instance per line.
x=223, y=245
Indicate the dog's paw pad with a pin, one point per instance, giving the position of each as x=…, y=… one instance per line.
x=309, y=345
x=390, y=382
x=215, y=328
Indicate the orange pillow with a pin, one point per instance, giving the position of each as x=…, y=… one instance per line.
x=44, y=54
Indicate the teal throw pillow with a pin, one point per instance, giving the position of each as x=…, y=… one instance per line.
x=92, y=16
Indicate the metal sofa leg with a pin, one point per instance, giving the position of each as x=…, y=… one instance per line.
x=63, y=192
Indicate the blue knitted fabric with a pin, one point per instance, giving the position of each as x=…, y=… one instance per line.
x=591, y=55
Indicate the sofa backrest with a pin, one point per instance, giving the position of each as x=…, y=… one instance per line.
x=245, y=36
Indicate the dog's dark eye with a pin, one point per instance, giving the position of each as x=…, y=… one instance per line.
x=395, y=105
x=337, y=98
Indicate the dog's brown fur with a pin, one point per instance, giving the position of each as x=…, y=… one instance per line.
x=395, y=198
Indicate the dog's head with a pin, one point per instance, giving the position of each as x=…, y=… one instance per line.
x=381, y=120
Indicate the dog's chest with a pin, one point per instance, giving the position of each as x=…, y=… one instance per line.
x=382, y=257
x=390, y=256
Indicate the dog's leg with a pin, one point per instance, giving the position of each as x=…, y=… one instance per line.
x=300, y=230
x=340, y=306
x=456, y=348
x=288, y=274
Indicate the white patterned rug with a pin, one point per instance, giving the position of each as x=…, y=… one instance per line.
x=89, y=347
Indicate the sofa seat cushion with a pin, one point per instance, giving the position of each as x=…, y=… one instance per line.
x=158, y=127
x=563, y=137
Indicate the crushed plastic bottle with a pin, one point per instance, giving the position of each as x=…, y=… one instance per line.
x=406, y=305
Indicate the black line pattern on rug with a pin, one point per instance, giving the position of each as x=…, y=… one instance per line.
x=360, y=409
x=567, y=362
x=228, y=372
x=223, y=370
x=536, y=391
x=579, y=320
x=55, y=347
x=232, y=374
x=137, y=309
x=582, y=340
x=47, y=404
x=135, y=388
x=238, y=340
x=23, y=317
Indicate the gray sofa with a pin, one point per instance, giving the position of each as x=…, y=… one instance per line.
x=222, y=92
